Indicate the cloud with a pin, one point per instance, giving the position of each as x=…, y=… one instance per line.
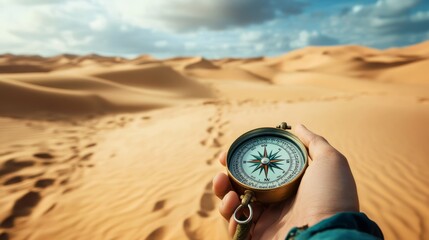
x=250, y=36
x=191, y=15
x=393, y=16
x=388, y=22
x=239, y=28
x=393, y=8
x=53, y=30
x=98, y=24
x=33, y=2
x=314, y=38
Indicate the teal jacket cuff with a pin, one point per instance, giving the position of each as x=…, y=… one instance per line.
x=346, y=225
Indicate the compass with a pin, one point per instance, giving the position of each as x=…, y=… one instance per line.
x=267, y=162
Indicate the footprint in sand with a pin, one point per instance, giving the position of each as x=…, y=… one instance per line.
x=158, y=205
x=191, y=225
x=8, y=222
x=156, y=234
x=14, y=180
x=12, y=165
x=43, y=155
x=44, y=183
x=211, y=142
x=210, y=129
x=22, y=207
x=86, y=157
x=4, y=236
x=215, y=143
x=207, y=201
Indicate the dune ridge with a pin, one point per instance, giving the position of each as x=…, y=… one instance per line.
x=95, y=147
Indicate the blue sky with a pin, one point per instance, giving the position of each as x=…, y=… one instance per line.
x=209, y=28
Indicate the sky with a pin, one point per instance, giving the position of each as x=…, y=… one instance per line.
x=208, y=28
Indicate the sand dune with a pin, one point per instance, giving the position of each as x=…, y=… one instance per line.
x=10, y=63
x=158, y=77
x=229, y=73
x=410, y=73
x=201, y=63
x=26, y=97
x=98, y=90
x=419, y=50
x=234, y=62
x=95, y=147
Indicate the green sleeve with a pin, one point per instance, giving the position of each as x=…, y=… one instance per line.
x=346, y=225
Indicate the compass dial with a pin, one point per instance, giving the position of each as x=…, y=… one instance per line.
x=266, y=162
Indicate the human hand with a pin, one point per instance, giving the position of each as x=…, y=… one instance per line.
x=327, y=187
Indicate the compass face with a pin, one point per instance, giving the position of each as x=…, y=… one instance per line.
x=266, y=162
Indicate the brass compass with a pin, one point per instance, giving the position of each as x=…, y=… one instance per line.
x=267, y=162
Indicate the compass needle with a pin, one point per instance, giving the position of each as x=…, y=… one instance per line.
x=254, y=161
x=266, y=171
x=271, y=168
x=276, y=160
x=275, y=166
x=258, y=158
x=260, y=171
x=256, y=168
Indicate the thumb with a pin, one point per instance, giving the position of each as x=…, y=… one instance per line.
x=317, y=146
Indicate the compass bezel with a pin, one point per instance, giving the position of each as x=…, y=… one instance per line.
x=272, y=194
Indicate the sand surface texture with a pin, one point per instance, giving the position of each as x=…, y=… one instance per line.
x=95, y=147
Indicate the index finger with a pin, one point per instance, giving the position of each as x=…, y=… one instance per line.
x=222, y=158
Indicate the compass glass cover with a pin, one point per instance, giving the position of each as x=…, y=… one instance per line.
x=266, y=162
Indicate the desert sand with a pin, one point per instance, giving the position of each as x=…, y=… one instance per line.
x=95, y=147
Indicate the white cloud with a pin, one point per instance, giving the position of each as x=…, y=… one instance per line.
x=393, y=7
x=32, y=2
x=386, y=23
x=357, y=8
x=302, y=40
x=98, y=24
x=307, y=38
x=259, y=47
x=250, y=36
